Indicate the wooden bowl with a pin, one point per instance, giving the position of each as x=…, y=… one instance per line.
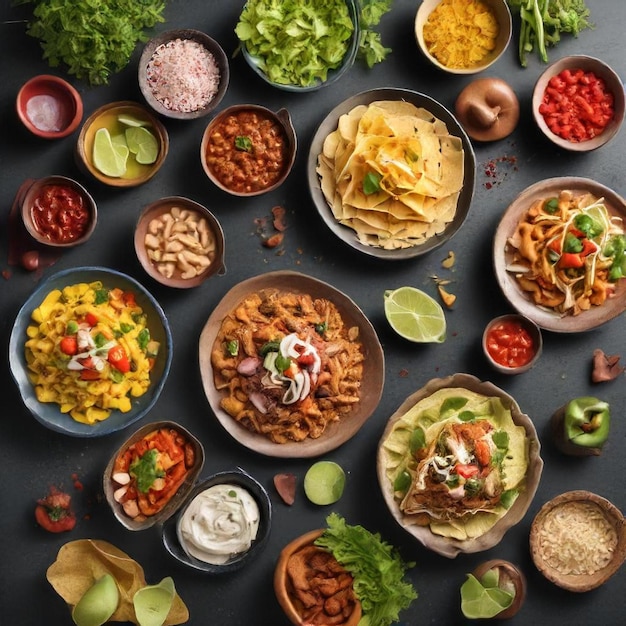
x=107, y=117
x=283, y=588
x=49, y=107
x=505, y=22
x=584, y=520
x=613, y=84
x=148, y=86
x=163, y=207
x=280, y=119
x=68, y=239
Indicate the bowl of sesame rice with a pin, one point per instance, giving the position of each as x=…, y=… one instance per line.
x=183, y=74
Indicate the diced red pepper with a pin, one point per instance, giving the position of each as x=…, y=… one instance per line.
x=571, y=260
x=466, y=470
x=69, y=345
x=91, y=319
x=89, y=375
x=53, y=513
x=118, y=359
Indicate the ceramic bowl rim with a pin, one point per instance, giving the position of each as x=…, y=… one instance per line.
x=51, y=180
x=217, y=265
x=61, y=85
x=205, y=40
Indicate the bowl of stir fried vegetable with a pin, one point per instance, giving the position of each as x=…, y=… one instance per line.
x=318, y=47
x=560, y=254
x=90, y=351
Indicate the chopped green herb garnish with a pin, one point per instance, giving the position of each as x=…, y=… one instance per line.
x=145, y=470
x=243, y=143
x=232, y=347
x=371, y=183
x=143, y=338
x=102, y=296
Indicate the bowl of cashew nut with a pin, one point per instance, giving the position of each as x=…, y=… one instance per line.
x=179, y=242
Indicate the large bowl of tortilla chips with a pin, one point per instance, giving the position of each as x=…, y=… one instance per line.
x=392, y=173
x=436, y=480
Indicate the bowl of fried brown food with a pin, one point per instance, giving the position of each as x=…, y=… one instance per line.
x=312, y=587
x=578, y=540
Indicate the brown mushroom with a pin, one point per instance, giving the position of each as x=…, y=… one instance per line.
x=488, y=109
x=511, y=578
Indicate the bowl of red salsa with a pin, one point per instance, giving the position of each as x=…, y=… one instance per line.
x=248, y=150
x=512, y=343
x=578, y=103
x=58, y=211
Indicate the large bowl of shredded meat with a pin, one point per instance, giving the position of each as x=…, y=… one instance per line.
x=183, y=73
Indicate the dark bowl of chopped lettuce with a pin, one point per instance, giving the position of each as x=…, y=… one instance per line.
x=299, y=49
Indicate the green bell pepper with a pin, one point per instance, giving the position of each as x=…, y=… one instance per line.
x=587, y=421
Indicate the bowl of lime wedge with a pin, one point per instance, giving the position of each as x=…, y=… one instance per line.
x=122, y=144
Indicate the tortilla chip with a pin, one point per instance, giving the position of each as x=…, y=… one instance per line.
x=419, y=165
x=81, y=563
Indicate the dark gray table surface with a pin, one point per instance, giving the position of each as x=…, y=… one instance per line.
x=33, y=457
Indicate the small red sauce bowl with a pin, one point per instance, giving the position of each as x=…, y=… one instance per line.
x=49, y=107
x=613, y=84
x=512, y=343
x=64, y=225
x=281, y=119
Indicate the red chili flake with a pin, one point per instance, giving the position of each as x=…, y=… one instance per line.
x=491, y=169
x=403, y=373
x=6, y=274
x=279, y=216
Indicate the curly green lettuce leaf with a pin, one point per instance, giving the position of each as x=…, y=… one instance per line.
x=376, y=566
x=91, y=38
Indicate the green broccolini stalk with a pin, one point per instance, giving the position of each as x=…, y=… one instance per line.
x=544, y=21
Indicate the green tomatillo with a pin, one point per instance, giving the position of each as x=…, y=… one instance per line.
x=587, y=421
x=581, y=427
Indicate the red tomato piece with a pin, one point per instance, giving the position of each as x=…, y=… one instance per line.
x=69, y=345
x=466, y=470
x=53, y=513
x=509, y=344
x=118, y=359
x=91, y=319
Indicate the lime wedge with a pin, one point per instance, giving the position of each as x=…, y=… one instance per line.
x=415, y=315
x=119, y=140
x=143, y=144
x=129, y=120
x=106, y=157
x=152, y=603
x=98, y=603
x=324, y=482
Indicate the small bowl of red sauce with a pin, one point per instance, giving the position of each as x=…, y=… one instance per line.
x=58, y=211
x=512, y=343
x=578, y=103
x=248, y=150
x=49, y=107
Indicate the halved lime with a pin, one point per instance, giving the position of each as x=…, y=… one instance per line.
x=324, y=482
x=143, y=144
x=106, y=158
x=129, y=120
x=415, y=315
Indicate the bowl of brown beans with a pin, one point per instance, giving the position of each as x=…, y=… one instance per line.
x=248, y=150
x=179, y=242
x=58, y=211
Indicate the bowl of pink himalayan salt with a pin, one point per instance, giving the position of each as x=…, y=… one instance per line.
x=183, y=74
x=49, y=107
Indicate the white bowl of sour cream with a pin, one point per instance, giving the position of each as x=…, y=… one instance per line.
x=223, y=524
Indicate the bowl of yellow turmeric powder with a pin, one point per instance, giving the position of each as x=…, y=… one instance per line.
x=463, y=36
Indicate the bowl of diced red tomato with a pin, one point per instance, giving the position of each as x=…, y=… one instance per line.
x=578, y=103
